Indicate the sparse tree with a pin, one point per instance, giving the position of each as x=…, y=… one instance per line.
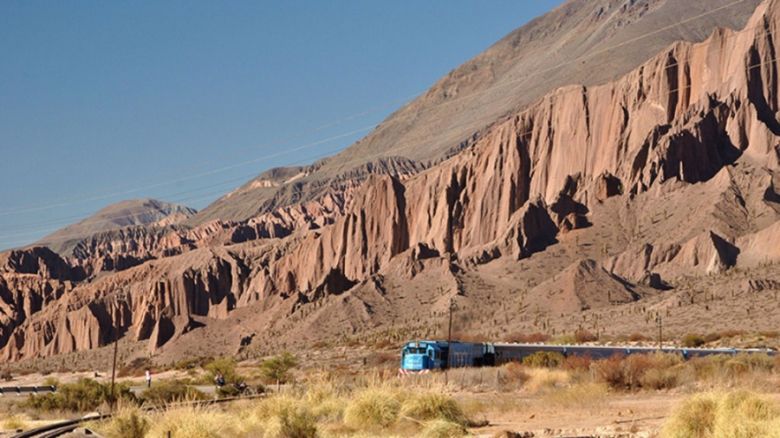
x=278, y=368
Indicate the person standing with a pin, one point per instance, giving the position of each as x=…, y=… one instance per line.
x=148, y=378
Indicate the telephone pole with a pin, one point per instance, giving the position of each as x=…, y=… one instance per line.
x=115, y=333
x=660, y=323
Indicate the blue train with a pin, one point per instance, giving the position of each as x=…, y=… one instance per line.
x=421, y=356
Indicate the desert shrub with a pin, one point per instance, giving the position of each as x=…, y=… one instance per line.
x=610, y=371
x=84, y=395
x=432, y=406
x=372, y=408
x=14, y=422
x=6, y=375
x=51, y=381
x=564, y=340
x=165, y=392
x=577, y=363
x=127, y=422
x=442, y=429
x=658, y=378
x=192, y=363
x=277, y=369
x=224, y=365
x=514, y=373
x=582, y=335
x=692, y=341
x=544, y=359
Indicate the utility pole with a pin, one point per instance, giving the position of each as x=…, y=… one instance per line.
x=449, y=341
x=660, y=323
x=115, y=333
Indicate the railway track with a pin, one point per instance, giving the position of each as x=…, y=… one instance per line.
x=63, y=427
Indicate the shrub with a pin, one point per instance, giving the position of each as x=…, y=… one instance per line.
x=372, y=408
x=544, y=359
x=84, y=395
x=291, y=422
x=6, y=375
x=692, y=341
x=514, y=373
x=657, y=378
x=224, y=365
x=442, y=429
x=610, y=371
x=577, y=363
x=277, y=369
x=166, y=392
x=582, y=335
x=432, y=406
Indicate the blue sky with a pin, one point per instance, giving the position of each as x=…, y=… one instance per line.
x=185, y=100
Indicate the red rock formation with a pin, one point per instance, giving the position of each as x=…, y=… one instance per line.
x=680, y=120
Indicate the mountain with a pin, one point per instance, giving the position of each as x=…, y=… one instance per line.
x=584, y=42
x=592, y=206
x=144, y=212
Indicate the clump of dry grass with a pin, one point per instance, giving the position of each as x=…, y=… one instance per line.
x=193, y=422
x=543, y=379
x=127, y=422
x=15, y=422
x=443, y=429
x=738, y=414
x=433, y=406
x=372, y=408
x=578, y=395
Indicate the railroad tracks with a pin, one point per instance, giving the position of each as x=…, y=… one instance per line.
x=63, y=427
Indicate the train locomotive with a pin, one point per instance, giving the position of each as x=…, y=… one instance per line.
x=427, y=355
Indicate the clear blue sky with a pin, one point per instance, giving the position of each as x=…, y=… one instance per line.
x=108, y=100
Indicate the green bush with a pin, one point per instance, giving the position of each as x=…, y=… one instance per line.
x=224, y=365
x=544, y=359
x=165, y=392
x=84, y=395
x=277, y=369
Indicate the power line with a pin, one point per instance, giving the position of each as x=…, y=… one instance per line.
x=437, y=106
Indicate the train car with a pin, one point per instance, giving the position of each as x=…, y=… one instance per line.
x=420, y=356
x=426, y=355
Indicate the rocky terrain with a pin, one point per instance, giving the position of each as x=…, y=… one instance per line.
x=598, y=205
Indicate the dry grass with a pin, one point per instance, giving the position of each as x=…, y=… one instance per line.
x=373, y=408
x=738, y=414
x=433, y=406
x=589, y=395
x=15, y=422
x=443, y=429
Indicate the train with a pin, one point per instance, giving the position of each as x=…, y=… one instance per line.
x=428, y=355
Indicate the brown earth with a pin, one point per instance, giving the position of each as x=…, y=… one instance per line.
x=593, y=207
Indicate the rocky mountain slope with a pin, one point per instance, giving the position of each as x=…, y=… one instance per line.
x=138, y=212
x=581, y=42
x=650, y=192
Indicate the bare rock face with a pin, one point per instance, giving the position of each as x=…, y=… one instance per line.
x=695, y=125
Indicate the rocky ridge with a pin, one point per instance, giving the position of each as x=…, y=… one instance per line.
x=696, y=124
